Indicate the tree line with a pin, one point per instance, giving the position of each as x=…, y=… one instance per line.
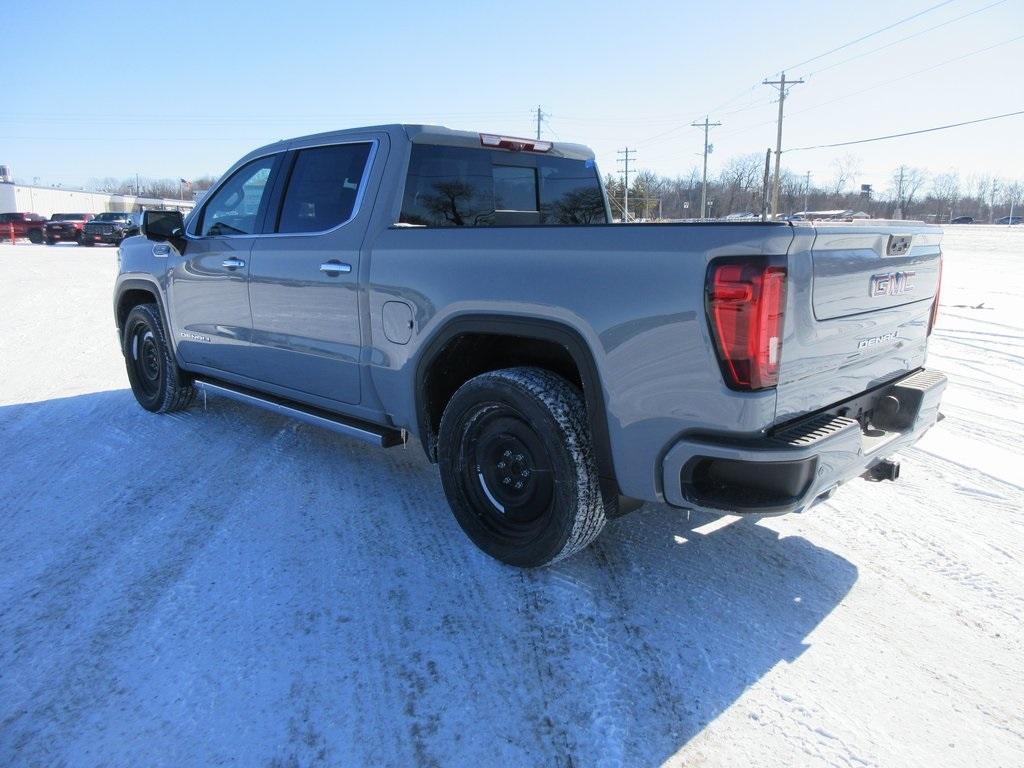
x=146, y=187
x=738, y=187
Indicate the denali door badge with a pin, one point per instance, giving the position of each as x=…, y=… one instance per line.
x=194, y=336
x=891, y=284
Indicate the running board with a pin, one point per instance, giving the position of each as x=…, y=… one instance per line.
x=361, y=430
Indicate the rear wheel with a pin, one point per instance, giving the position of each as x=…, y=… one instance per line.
x=51, y=240
x=157, y=382
x=35, y=236
x=518, y=467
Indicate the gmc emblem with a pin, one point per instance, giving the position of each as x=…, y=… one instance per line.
x=891, y=284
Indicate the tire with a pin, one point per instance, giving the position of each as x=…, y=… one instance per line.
x=51, y=241
x=518, y=468
x=157, y=382
x=87, y=243
x=35, y=236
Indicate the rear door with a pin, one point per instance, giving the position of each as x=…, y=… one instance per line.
x=304, y=276
x=859, y=301
x=209, y=297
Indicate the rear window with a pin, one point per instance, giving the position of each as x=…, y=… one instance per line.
x=468, y=187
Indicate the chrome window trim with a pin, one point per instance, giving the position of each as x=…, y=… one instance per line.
x=356, y=206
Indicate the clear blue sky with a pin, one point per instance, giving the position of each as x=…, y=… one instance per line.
x=175, y=89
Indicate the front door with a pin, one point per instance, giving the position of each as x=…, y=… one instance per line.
x=304, y=275
x=209, y=296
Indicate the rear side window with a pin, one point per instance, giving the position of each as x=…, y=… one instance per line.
x=322, y=188
x=469, y=187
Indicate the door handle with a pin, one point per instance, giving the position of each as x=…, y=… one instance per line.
x=232, y=263
x=161, y=250
x=335, y=267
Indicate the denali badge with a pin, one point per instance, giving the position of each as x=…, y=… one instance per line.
x=891, y=284
x=194, y=337
x=875, y=340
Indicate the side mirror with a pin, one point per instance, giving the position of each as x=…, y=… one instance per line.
x=162, y=225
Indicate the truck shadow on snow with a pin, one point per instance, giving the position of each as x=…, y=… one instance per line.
x=228, y=582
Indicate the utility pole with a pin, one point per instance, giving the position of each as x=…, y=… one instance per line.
x=781, y=85
x=540, y=117
x=707, y=125
x=627, y=152
x=807, y=189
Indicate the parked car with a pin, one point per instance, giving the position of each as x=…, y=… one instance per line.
x=109, y=228
x=28, y=225
x=963, y=220
x=1010, y=220
x=65, y=226
x=381, y=282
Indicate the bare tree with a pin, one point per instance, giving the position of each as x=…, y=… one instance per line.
x=845, y=170
x=906, y=183
x=993, y=190
x=946, y=189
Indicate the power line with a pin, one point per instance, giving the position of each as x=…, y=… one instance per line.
x=910, y=74
x=904, y=39
x=908, y=133
x=875, y=86
x=862, y=38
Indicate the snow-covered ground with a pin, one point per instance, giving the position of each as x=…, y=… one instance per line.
x=232, y=588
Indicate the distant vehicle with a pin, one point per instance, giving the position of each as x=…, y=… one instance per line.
x=1010, y=220
x=109, y=228
x=28, y=225
x=963, y=220
x=65, y=226
x=468, y=290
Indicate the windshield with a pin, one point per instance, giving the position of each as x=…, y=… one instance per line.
x=112, y=217
x=67, y=216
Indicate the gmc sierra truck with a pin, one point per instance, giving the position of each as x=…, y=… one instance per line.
x=471, y=292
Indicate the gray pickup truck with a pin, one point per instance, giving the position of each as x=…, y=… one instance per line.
x=470, y=291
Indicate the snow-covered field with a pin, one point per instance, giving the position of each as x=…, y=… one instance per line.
x=231, y=588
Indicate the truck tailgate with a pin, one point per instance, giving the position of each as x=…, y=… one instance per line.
x=857, y=313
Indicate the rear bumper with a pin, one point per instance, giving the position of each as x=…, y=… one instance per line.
x=802, y=463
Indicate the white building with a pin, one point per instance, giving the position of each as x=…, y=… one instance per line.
x=21, y=198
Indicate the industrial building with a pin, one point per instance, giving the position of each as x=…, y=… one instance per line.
x=23, y=198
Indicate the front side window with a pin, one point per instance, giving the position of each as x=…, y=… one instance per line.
x=322, y=188
x=470, y=187
x=236, y=206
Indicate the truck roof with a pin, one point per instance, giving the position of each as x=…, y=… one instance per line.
x=425, y=134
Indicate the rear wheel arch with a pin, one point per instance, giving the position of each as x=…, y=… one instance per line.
x=467, y=346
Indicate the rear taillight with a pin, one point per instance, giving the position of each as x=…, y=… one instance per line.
x=935, y=302
x=746, y=301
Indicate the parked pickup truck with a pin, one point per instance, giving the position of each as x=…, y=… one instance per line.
x=110, y=228
x=65, y=226
x=468, y=291
x=28, y=225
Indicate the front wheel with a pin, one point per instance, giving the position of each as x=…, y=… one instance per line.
x=518, y=467
x=157, y=382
